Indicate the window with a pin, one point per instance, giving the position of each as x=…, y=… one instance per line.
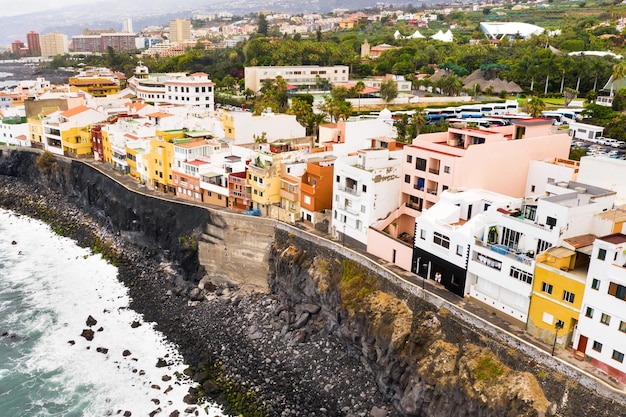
x=618, y=291
x=551, y=221
x=568, y=296
x=597, y=346
x=595, y=284
x=337, y=178
x=622, y=326
x=602, y=254
x=547, y=288
x=423, y=234
x=618, y=356
x=542, y=246
x=446, y=169
x=523, y=276
x=364, y=187
x=589, y=312
x=532, y=188
x=459, y=250
x=510, y=238
x=420, y=164
x=441, y=240
x=407, y=178
x=605, y=319
x=409, y=158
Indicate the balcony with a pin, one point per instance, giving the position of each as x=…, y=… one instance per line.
x=525, y=258
x=431, y=191
x=349, y=190
x=433, y=171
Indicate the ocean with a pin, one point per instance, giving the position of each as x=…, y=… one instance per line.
x=49, y=287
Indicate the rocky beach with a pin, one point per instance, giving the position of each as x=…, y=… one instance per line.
x=249, y=351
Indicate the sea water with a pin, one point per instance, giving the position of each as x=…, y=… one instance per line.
x=49, y=286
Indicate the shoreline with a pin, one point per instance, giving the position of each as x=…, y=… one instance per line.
x=240, y=348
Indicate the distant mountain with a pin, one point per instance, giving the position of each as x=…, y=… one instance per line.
x=71, y=20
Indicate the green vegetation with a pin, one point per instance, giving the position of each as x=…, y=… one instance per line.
x=188, y=242
x=237, y=400
x=488, y=367
x=46, y=162
x=356, y=284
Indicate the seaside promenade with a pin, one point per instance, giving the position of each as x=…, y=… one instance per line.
x=499, y=322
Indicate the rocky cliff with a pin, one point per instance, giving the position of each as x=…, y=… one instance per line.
x=336, y=335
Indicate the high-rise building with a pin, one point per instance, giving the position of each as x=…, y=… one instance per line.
x=34, y=45
x=53, y=44
x=127, y=25
x=17, y=47
x=180, y=30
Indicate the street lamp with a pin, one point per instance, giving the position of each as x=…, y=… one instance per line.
x=558, y=326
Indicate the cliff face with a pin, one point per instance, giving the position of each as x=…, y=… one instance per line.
x=426, y=359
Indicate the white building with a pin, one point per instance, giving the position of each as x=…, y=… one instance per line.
x=14, y=131
x=502, y=260
x=606, y=173
x=347, y=137
x=601, y=331
x=305, y=77
x=540, y=173
x=445, y=233
x=244, y=127
x=193, y=90
x=173, y=88
x=585, y=131
x=60, y=121
x=365, y=191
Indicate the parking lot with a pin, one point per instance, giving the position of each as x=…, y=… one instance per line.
x=615, y=151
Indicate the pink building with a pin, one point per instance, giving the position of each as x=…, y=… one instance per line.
x=495, y=159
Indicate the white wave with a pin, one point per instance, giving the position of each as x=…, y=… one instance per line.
x=65, y=284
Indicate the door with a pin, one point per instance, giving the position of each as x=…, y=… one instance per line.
x=582, y=344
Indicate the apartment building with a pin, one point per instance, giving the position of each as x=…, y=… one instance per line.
x=53, y=44
x=34, y=43
x=600, y=336
x=503, y=257
x=365, y=191
x=316, y=188
x=180, y=30
x=290, y=190
x=193, y=90
x=173, y=88
x=558, y=289
x=68, y=132
x=304, y=77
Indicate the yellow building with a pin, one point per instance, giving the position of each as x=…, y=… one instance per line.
x=96, y=86
x=158, y=164
x=264, y=181
x=558, y=288
x=35, y=131
x=76, y=141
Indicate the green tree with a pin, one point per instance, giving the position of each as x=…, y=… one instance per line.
x=534, y=106
x=388, y=90
x=262, y=25
x=569, y=94
x=619, y=73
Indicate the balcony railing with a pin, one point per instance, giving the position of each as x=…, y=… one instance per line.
x=433, y=171
x=432, y=191
x=518, y=255
x=353, y=191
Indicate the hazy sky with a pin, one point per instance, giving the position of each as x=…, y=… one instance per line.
x=13, y=7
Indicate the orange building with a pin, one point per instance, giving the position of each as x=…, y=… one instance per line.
x=316, y=190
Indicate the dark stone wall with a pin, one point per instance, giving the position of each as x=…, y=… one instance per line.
x=149, y=222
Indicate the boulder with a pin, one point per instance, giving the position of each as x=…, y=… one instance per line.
x=91, y=321
x=87, y=334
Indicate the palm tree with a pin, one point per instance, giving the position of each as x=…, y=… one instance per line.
x=534, y=106
x=359, y=87
x=619, y=73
